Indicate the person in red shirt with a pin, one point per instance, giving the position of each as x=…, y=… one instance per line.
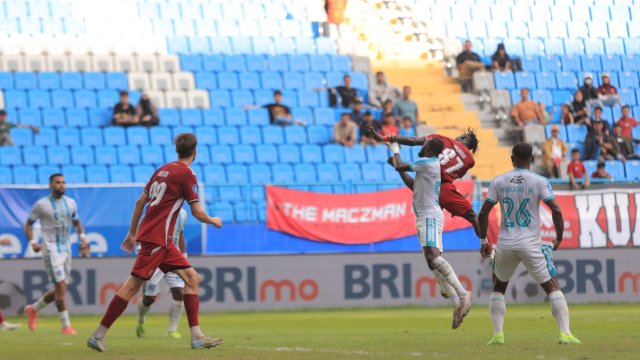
x=627, y=123
x=601, y=172
x=577, y=171
x=169, y=187
x=607, y=92
x=389, y=126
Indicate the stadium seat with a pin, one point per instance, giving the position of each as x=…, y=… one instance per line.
x=525, y=80
x=129, y=155
x=169, y=117
x=25, y=175
x=114, y=136
x=576, y=133
x=106, y=155
x=214, y=174
x=260, y=174
x=327, y=173
x=10, y=155
x=616, y=169
x=313, y=80
x=324, y=116
x=273, y=135
x=221, y=154
x=349, y=172
x=227, y=81
x=243, y=154
x=566, y=80
x=289, y=154
x=152, y=155
x=355, y=154
x=117, y=81
x=94, y=80
x=305, y=173
x=120, y=174
x=258, y=116
x=249, y=81
x=45, y=172
x=504, y=80
x=333, y=153
x=295, y=135
x=632, y=170
x=82, y=155
x=311, y=154
x=267, y=154
x=191, y=117
x=85, y=99
x=299, y=63
x=318, y=134
x=237, y=174
x=6, y=177
x=228, y=135
x=293, y=80
x=235, y=117
x=250, y=135
x=255, y=63
x=71, y=80
x=39, y=99
x=377, y=154
x=73, y=174
x=206, y=135
x=25, y=81
x=142, y=173
x=271, y=81
x=372, y=172
x=34, y=155
x=281, y=173
x=58, y=155
x=137, y=135
x=48, y=81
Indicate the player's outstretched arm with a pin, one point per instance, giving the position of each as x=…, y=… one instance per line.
x=28, y=232
x=202, y=216
x=558, y=222
x=402, y=140
x=406, y=178
x=483, y=224
x=398, y=164
x=130, y=240
x=84, y=243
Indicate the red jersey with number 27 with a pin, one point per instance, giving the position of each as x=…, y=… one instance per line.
x=169, y=187
x=455, y=159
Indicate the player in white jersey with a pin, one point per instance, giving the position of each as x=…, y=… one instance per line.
x=151, y=287
x=430, y=220
x=519, y=193
x=56, y=213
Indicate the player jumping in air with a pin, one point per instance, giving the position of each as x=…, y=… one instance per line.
x=519, y=193
x=429, y=217
x=169, y=187
x=5, y=325
x=151, y=288
x=56, y=213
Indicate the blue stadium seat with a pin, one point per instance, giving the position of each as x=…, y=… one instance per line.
x=6, y=177
x=235, y=117
x=576, y=133
x=295, y=135
x=250, y=135
x=62, y=99
x=24, y=175
x=632, y=170
x=303, y=114
x=94, y=80
x=34, y=155
x=267, y=154
x=271, y=80
x=278, y=63
x=550, y=64
x=591, y=63
x=530, y=63
x=224, y=210
x=58, y=155
x=314, y=80
x=237, y=174
x=327, y=173
x=212, y=63
x=293, y=80
x=255, y=63
x=82, y=155
x=561, y=96
x=318, y=134
x=214, y=174
x=107, y=98
x=249, y=81
x=114, y=136
x=571, y=63
x=30, y=116
x=97, y=174
x=355, y=154
x=616, y=169
x=46, y=137
x=100, y=116
x=191, y=117
x=21, y=136
x=324, y=116
x=281, y=173
x=333, y=153
x=196, y=45
x=25, y=81
x=308, y=98
x=360, y=81
x=129, y=155
x=206, y=80
x=335, y=79
x=273, y=135
x=542, y=96
x=234, y=63
x=117, y=81
x=377, y=153
x=627, y=96
x=68, y=136
x=525, y=80
x=349, y=172
x=137, y=135
x=221, y=154
x=320, y=63
x=263, y=97
x=85, y=99
x=340, y=63
x=120, y=174
x=630, y=62
x=227, y=81
x=6, y=80
x=142, y=173
x=73, y=174
x=77, y=117
x=231, y=193
x=372, y=172
x=45, y=172
x=91, y=136
x=628, y=79
x=241, y=98
x=305, y=173
x=169, y=117
x=206, y=135
x=39, y=99
x=258, y=116
x=71, y=80
x=546, y=80
x=567, y=80
x=260, y=174
x=299, y=63
x=504, y=80
x=228, y=135
x=611, y=62
x=244, y=154
x=289, y=154
x=53, y=117
x=48, y=80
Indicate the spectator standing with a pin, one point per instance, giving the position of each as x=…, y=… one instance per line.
x=526, y=111
x=554, y=150
x=147, y=112
x=5, y=129
x=625, y=144
x=405, y=107
x=500, y=60
x=626, y=122
x=468, y=62
x=380, y=91
x=387, y=109
x=124, y=114
x=567, y=117
x=580, y=108
x=407, y=128
x=347, y=93
x=598, y=139
x=344, y=131
x=357, y=115
x=389, y=126
x=279, y=114
x=601, y=172
x=366, y=137
x=589, y=92
x=608, y=93
x=577, y=171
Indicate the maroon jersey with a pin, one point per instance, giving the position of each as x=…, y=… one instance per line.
x=169, y=187
x=455, y=159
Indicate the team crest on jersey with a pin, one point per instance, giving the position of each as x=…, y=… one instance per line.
x=163, y=173
x=518, y=180
x=195, y=188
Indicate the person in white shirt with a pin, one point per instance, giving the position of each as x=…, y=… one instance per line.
x=553, y=151
x=519, y=193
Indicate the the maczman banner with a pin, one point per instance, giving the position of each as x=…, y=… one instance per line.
x=339, y=280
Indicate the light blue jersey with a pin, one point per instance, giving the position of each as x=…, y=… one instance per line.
x=56, y=218
x=426, y=189
x=180, y=221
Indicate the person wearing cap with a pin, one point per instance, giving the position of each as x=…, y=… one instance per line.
x=5, y=129
x=601, y=172
x=526, y=111
x=608, y=93
x=380, y=91
x=500, y=60
x=357, y=115
x=366, y=137
x=405, y=106
x=553, y=151
x=599, y=145
x=589, y=92
x=580, y=108
x=626, y=122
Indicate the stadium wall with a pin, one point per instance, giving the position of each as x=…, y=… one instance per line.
x=231, y=283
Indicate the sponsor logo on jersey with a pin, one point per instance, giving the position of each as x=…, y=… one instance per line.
x=163, y=173
x=195, y=188
x=518, y=179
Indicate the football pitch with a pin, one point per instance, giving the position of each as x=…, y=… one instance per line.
x=607, y=332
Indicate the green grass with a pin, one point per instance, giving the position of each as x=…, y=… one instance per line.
x=608, y=332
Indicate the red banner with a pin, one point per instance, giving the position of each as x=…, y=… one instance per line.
x=349, y=218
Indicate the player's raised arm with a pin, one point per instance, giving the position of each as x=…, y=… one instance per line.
x=398, y=164
x=129, y=241
x=406, y=178
x=402, y=140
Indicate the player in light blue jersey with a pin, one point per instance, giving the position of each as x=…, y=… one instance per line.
x=519, y=193
x=151, y=288
x=430, y=220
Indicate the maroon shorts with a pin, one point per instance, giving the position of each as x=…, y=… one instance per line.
x=452, y=201
x=153, y=256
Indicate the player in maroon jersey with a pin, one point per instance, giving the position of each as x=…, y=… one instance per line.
x=455, y=160
x=169, y=187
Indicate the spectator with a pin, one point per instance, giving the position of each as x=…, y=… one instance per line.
x=347, y=94
x=344, y=131
x=407, y=128
x=526, y=111
x=405, y=106
x=601, y=172
x=279, y=114
x=5, y=129
x=598, y=139
x=147, y=112
x=608, y=93
x=580, y=108
x=124, y=114
x=380, y=91
x=500, y=60
x=554, y=150
x=546, y=117
x=625, y=144
x=357, y=115
x=468, y=62
x=389, y=126
x=627, y=123
x=597, y=116
x=566, y=117
x=387, y=108
x=577, y=171
x=589, y=92
x=366, y=137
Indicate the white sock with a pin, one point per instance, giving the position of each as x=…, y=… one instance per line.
x=195, y=332
x=560, y=310
x=450, y=276
x=498, y=309
x=142, y=312
x=64, y=318
x=175, y=312
x=450, y=291
x=40, y=304
x=100, y=332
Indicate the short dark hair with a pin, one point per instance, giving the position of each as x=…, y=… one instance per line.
x=345, y=114
x=379, y=73
x=435, y=145
x=124, y=93
x=625, y=106
x=524, y=88
x=3, y=112
x=185, y=145
x=473, y=143
x=522, y=151
x=600, y=165
x=346, y=76
x=53, y=176
x=407, y=118
x=597, y=108
x=575, y=151
x=367, y=113
x=277, y=92
x=617, y=125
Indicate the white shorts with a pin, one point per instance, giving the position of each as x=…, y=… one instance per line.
x=57, y=264
x=152, y=286
x=430, y=233
x=538, y=260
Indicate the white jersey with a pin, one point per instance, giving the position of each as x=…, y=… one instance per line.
x=56, y=217
x=426, y=189
x=519, y=193
x=180, y=221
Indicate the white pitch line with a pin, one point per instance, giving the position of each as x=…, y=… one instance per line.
x=331, y=351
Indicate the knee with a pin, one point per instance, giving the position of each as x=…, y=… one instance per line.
x=177, y=294
x=148, y=300
x=193, y=279
x=430, y=258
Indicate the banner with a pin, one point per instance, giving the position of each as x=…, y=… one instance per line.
x=105, y=213
x=321, y=281
x=350, y=218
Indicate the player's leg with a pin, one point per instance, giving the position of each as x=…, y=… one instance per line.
x=176, y=286
x=149, y=292
x=47, y=298
x=5, y=325
x=505, y=262
x=61, y=305
x=457, y=205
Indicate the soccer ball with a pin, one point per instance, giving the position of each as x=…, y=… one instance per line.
x=525, y=290
x=12, y=298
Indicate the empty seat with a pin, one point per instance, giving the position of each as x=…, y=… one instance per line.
x=249, y=81
x=295, y=135
x=372, y=172
x=82, y=155
x=48, y=81
x=278, y=63
x=161, y=81
x=221, y=154
x=504, y=80
x=241, y=98
x=142, y=173
x=183, y=81
x=305, y=173
x=73, y=174
x=25, y=81
x=24, y=175
x=235, y=116
x=220, y=98
x=318, y=134
x=85, y=99
x=94, y=80
x=524, y=80
x=137, y=135
x=267, y=154
x=333, y=153
x=39, y=99
x=289, y=154
x=311, y=154
x=349, y=172
x=228, y=135
x=250, y=135
x=120, y=174
x=34, y=155
x=58, y=155
x=129, y=155
x=46, y=137
x=355, y=154
x=272, y=135
x=176, y=99
x=260, y=174
x=45, y=172
x=62, y=99
x=243, y=154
